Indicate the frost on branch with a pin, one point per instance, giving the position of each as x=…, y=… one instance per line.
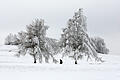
x=35, y=42
x=100, y=45
x=11, y=39
x=75, y=39
x=74, y=43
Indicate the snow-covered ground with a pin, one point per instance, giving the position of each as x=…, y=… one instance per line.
x=14, y=68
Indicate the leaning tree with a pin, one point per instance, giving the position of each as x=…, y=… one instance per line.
x=75, y=39
x=33, y=41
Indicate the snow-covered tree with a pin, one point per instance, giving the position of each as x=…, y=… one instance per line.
x=8, y=39
x=100, y=45
x=52, y=44
x=34, y=41
x=76, y=40
x=11, y=39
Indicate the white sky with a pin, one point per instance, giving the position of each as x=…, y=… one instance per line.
x=103, y=17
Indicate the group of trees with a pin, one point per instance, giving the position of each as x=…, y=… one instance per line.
x=75, y=40
x=74, y=43
x=11, y=39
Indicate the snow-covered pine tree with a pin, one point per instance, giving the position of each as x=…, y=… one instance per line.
x=76, y=40
x=34, y=41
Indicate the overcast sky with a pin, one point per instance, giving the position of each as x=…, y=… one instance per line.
x=103, y=17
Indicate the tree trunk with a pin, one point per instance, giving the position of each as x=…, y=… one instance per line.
x=46, y=60
x=34, y=58
x=61, y=61
x=75, y=61
x=40, y=59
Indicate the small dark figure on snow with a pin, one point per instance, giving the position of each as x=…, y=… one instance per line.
x=61, y=61
x=75, y=62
